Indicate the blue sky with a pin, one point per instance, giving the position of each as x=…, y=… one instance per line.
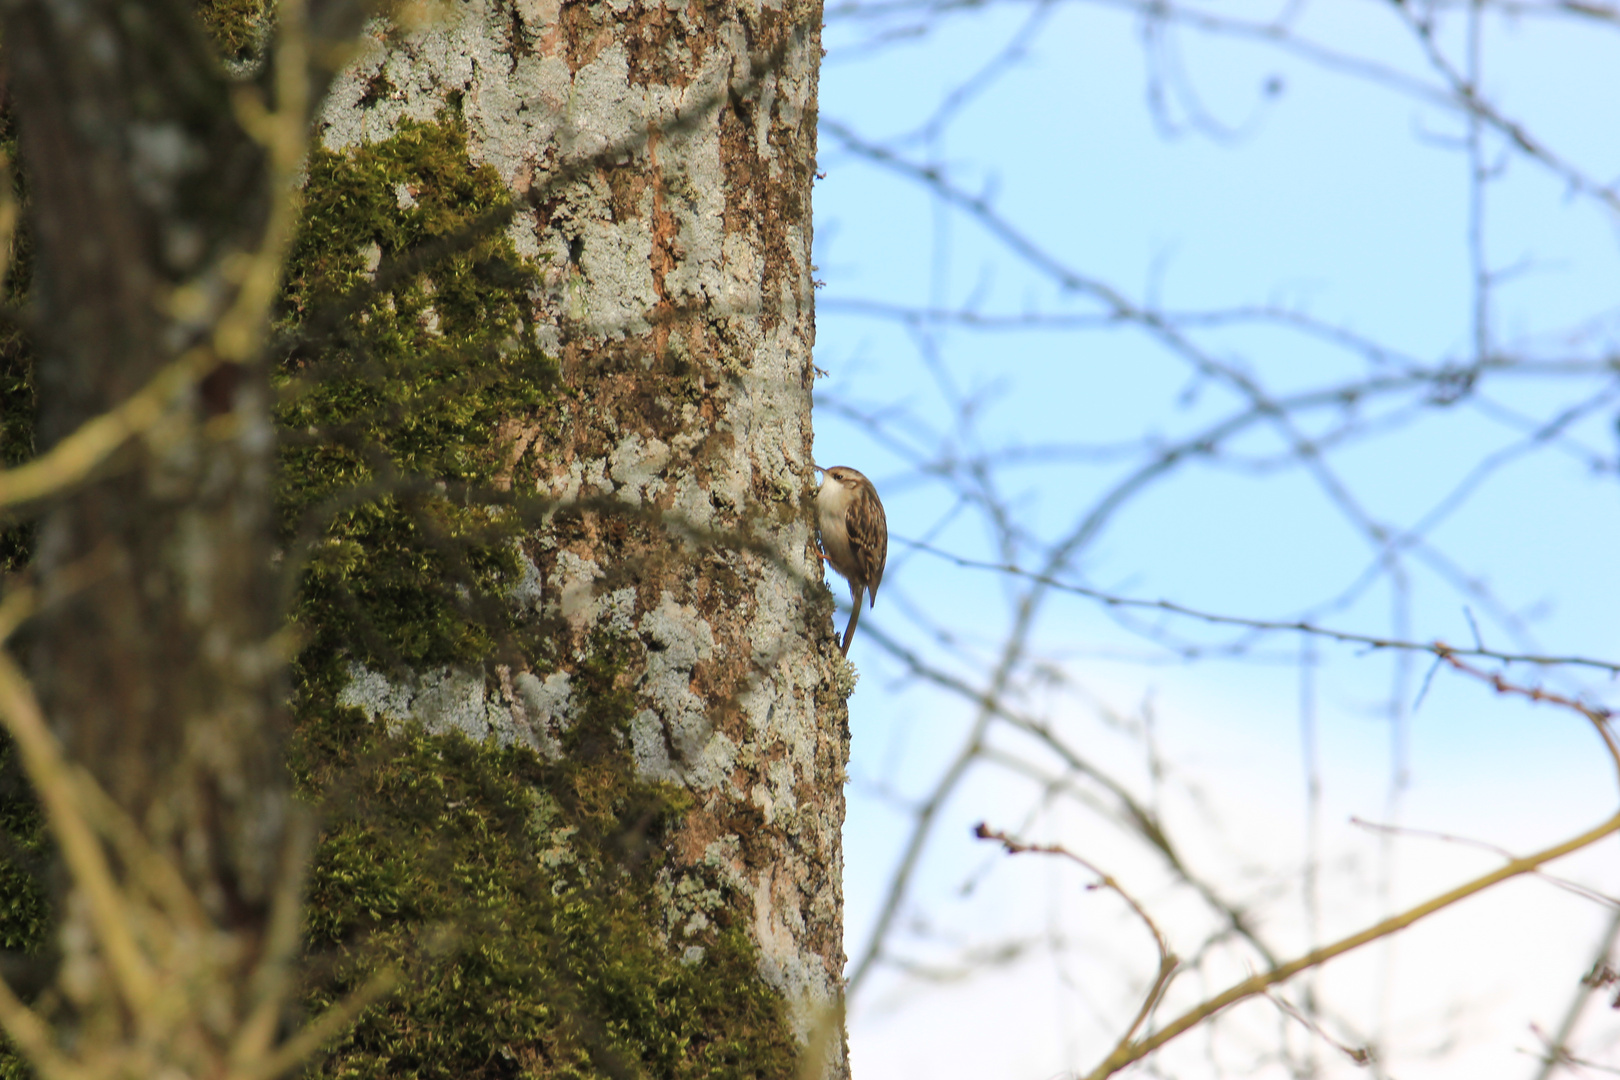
x=1332, y=197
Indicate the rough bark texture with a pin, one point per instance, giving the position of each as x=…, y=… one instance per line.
x=663, y=157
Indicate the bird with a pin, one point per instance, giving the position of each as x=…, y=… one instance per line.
x=854, y=535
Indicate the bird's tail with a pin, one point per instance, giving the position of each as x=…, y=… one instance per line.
x=854, y=617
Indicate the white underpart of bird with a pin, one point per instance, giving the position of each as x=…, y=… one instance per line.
x=854, y=536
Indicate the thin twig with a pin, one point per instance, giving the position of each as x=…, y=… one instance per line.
x=1373, y=641
x=1358, y=1054
x=54, y=781
x=1597, y=715
x=326, y=1027
x=1167, y=959
x=1558, y=1048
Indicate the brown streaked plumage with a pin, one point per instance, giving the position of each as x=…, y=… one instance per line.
x=854, y=536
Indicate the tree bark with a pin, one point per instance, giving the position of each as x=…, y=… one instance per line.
x=662, y=157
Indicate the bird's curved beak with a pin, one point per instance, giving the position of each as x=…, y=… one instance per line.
x=818, y=468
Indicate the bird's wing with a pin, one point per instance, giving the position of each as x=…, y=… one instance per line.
x=868, y=539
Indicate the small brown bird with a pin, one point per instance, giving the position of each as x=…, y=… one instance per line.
x=854, y=535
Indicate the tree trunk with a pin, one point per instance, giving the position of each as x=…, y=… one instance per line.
x=152, y=651
x=652, y=475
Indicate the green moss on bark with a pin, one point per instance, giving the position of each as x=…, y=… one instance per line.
x=236, y=27
x=519, y=897
x=17, y=394
x=396, y=389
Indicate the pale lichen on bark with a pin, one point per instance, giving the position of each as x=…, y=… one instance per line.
x=676, y=293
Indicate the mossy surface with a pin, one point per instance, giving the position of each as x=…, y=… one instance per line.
x=523, y=899
x=396, y=388
x=17, y=393
x=520, y=899
x=236, y=27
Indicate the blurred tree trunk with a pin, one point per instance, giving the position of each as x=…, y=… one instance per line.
x=152, y=652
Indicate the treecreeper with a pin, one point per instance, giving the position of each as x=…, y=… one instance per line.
x=854, y=535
